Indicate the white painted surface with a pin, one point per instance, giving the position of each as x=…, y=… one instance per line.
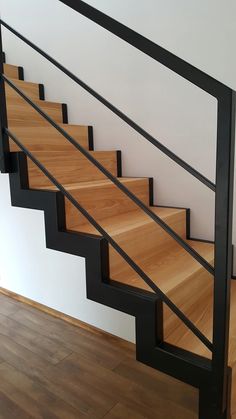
x=52, y=278
x=180, y=115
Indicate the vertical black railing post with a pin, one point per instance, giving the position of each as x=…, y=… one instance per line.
x=223, y=247
x=4, y=140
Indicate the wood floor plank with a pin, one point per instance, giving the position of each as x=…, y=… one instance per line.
x=121, y=411
x=29, y=395
x=93, y=334
x=7, y=306
x=77, y=340
x=76, y=393
x=82, y=385
x=148, y=401
x=10, y=410
x=159, y=383
x=45, y=347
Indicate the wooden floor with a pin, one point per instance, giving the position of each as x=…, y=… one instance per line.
x=51, y=369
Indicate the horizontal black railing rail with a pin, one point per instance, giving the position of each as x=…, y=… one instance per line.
x=113, y=243
x=223, y=187
x=116, y=111
x=115, y=180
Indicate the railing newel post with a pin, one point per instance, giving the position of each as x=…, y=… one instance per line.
x=4, y=140
x=223, y=245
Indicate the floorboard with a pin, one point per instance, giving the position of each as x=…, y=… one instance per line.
x=51, y=369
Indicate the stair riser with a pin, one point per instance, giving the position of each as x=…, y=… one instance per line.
x=70, y=168
x=142, y=242
x=106, y=201
x=20, y=113
x=49, y=139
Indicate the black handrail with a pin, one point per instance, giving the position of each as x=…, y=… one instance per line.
x=116, y=111
x=169, y=60
x=113, y=243
x=116, y=181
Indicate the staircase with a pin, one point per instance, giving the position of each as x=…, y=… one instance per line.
x=184, y=280
x=140, y=258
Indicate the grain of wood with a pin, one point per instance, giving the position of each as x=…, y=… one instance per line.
x=30, y=89
x=11, y=71
x=70, y=168
x=78, y=386
x=47, y=138
x=20, y=113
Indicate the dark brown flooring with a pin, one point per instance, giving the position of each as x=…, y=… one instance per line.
x=51, y=369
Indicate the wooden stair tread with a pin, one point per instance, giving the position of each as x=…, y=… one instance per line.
x=11, y=70
x=169, y=269
x=29, y=88
x=128, y=221
x=70, y=167
x=185, y=339
x=19, y=112
x=94, y=184
x=47, y=138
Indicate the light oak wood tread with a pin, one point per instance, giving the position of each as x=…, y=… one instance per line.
x=30, y=89
x=11, y=70
x=140, y=237
x=103, y=199
x=131, y=220
x=19, y=112
x=167, y=269
x=47, y=138
x=203, y=314
x=71, y=167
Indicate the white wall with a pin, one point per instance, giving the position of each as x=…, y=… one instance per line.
x=180, y=115
x=52, y=278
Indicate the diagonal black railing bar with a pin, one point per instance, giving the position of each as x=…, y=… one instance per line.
x=117, y=112
x=148, y=47
x=113, y=243
x=116, y=181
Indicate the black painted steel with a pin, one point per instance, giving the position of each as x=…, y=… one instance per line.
x=223, y=242
x=117, y=112
x=4, y=141
x=41, y=92
x=116, y=181
x=21, y=73
x=124, y=255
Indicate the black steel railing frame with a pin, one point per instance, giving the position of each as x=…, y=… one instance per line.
x=4, y=140
x=224, y=170
x=119, y=184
